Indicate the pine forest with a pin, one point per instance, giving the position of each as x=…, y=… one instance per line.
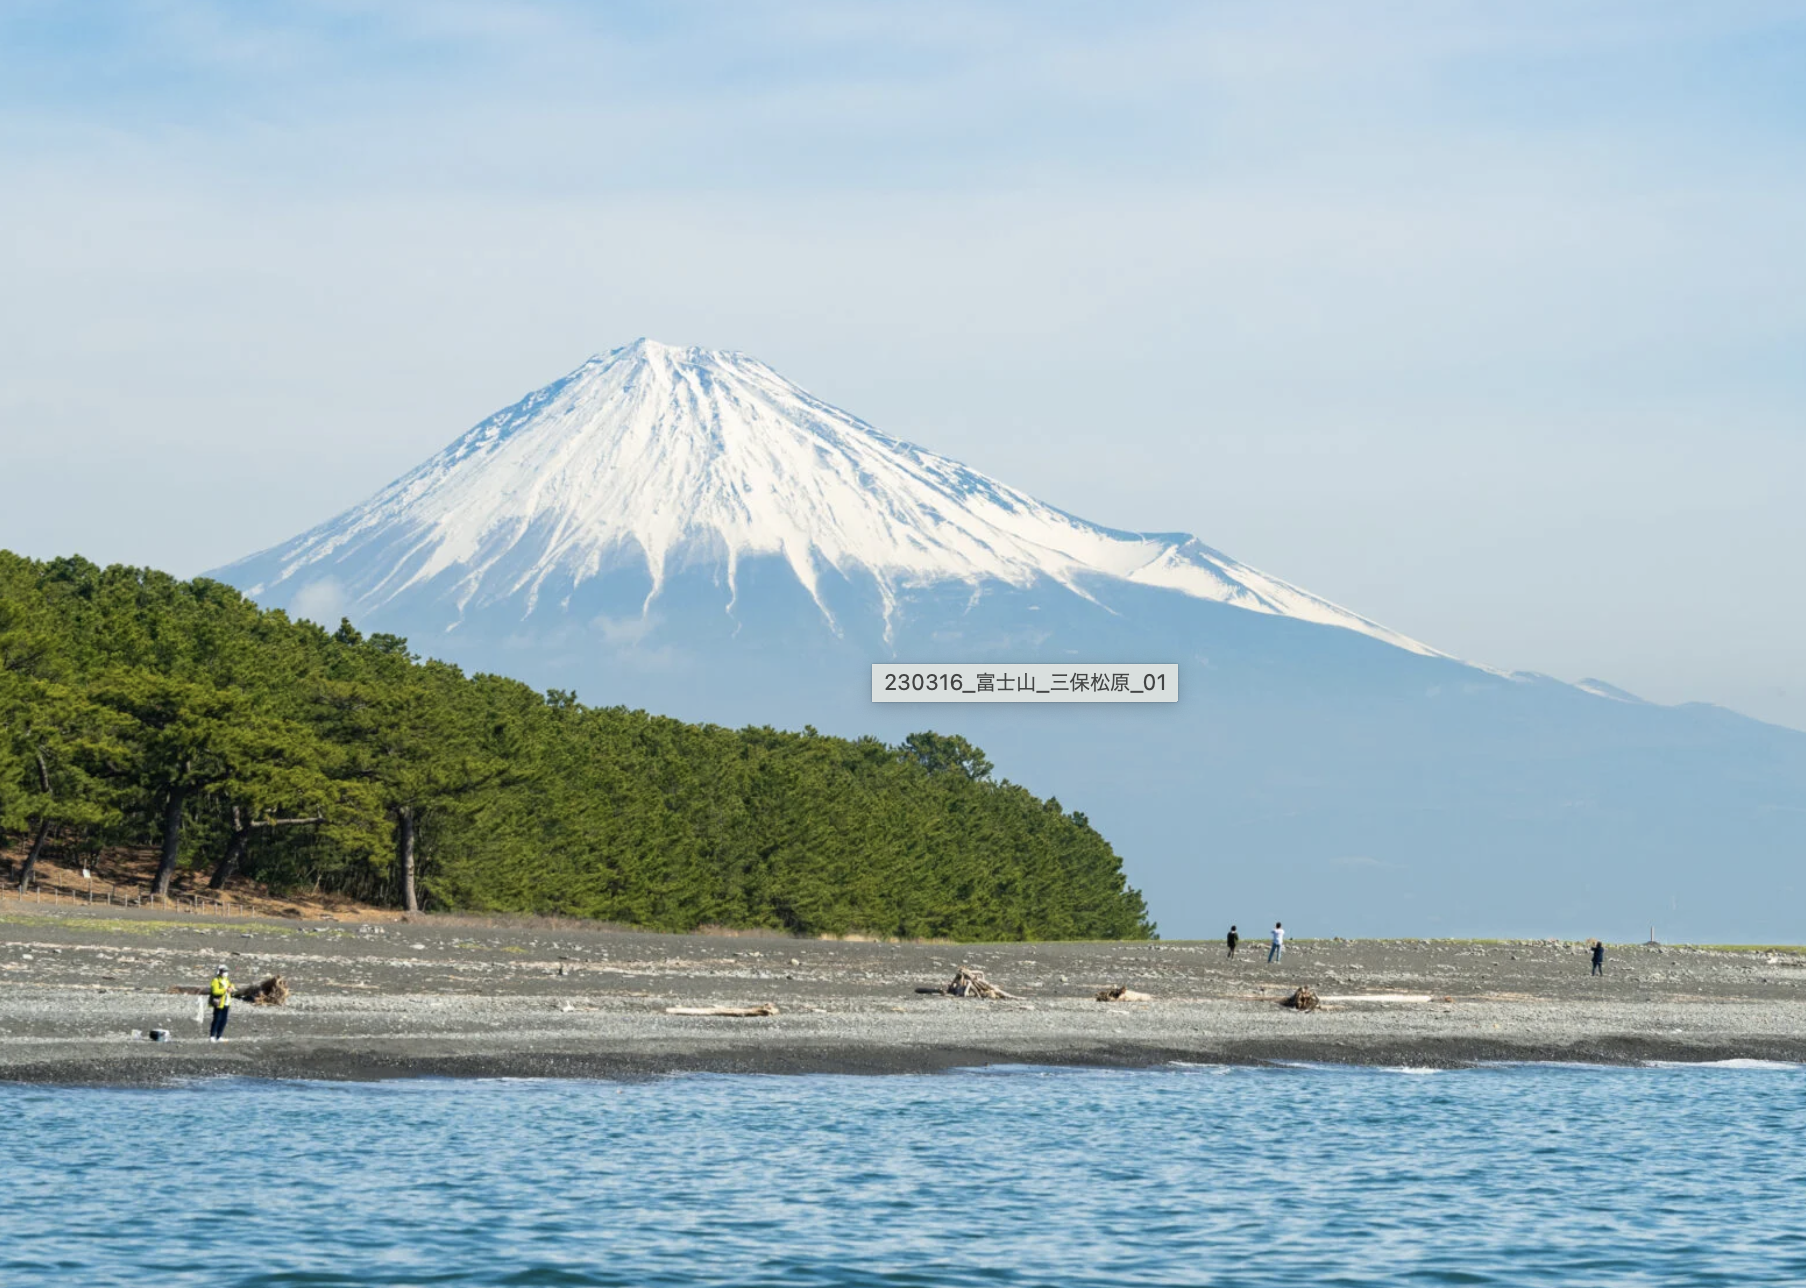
x=139, y=710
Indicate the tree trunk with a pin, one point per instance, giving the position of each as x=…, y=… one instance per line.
x=172, y=840
x=404, y=848
x=235, y=851
x=31, y=855
x=241, y=841
x=43, y=833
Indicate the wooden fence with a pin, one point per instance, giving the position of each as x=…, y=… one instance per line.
x=97, y=894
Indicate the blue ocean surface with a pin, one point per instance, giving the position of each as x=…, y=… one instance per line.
x=1196, y=1175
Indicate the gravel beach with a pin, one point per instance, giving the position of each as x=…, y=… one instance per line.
x=462, y=997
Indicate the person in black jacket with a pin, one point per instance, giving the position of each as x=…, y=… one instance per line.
x=1232, y=940
x=1598, y=957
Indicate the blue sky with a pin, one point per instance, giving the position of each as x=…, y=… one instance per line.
x=1487, y=321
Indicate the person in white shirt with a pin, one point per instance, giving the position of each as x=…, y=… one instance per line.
x=1278, y=949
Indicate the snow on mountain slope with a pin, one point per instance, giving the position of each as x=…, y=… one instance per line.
x=684, y=456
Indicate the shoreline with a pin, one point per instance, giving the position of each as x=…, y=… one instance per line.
x=436, y=998
x=785, y=1060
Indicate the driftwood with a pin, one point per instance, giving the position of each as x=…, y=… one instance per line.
x=272, y=991
x=268, y=992
x=737, y=1012
x=1302, y=1000
x=972, y=983
x=1123, y=993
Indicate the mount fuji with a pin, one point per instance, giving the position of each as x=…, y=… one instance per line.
x=687, y=531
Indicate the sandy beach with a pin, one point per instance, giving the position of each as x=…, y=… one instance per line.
x=462, y=997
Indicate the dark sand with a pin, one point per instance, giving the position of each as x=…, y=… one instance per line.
x=454, y=997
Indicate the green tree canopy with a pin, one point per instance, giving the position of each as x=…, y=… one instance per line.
x=142, y=710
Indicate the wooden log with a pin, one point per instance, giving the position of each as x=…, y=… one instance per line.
x=971, y=983
x=270, y=991
x=732, y=1012
x=1123, y=993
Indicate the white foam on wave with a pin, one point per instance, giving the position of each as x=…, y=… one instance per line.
x=1723, y=1064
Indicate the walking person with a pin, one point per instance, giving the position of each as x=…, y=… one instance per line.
x=220, y=991
x=1599, y=957
x=1277, y=951
x=1232, y=939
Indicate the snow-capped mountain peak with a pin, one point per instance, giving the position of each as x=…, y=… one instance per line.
x=669, y=457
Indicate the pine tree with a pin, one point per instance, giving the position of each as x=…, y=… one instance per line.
x=138, y=709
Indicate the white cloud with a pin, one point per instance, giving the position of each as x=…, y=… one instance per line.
x=322, y=602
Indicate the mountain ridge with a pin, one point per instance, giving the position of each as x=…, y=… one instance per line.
x=686, y=455
x=687, y=533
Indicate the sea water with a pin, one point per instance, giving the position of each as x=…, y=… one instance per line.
x=1515, y=1175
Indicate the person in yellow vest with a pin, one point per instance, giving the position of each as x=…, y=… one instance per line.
x=221, y=993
